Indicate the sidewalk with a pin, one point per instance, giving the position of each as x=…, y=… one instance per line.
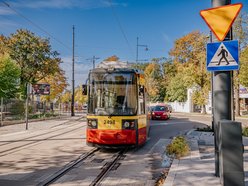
x=35, y=125
x=199, y=167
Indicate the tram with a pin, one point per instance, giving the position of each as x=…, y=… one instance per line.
x=116, y=114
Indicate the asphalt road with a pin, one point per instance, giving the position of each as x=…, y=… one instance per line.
x=178, y=124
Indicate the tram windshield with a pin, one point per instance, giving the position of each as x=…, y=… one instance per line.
x=113, y=94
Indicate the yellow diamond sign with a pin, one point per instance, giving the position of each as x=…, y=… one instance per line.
x=220, y=19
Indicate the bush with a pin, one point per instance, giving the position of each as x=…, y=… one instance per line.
x=42, y=115
x=17, y=108
x=205, y=129
x=245, y=131
x=178, y=147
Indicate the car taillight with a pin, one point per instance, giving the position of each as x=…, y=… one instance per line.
x=129, y=124
x=92, y=123
x=164, y=113
x=153, y=113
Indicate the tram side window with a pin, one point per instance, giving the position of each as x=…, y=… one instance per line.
x=141, y=100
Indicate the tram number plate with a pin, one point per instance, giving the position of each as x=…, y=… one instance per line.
x=110, y=122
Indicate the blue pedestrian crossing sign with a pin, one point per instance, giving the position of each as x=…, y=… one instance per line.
x=223, y=56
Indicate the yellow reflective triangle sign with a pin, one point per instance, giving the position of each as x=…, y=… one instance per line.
x=220, y=19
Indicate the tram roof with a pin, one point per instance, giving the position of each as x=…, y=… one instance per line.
x=115, y=66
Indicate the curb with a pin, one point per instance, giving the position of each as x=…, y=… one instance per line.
x=172, y=173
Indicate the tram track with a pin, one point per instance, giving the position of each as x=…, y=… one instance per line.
x=67, y=168
x=33, y=142
x=105, y=169
x=45, y=133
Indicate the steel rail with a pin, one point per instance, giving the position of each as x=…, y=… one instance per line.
x=67, y=168
x=108, y=167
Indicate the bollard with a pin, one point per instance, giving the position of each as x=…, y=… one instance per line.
x=231, y=153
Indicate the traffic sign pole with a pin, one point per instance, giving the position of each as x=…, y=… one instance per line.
x=222, y=95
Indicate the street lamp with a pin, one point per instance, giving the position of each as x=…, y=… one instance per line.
x=137, y=49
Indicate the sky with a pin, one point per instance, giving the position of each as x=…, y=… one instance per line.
x=104, y=28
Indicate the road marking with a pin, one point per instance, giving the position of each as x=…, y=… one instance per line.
x=166, y=123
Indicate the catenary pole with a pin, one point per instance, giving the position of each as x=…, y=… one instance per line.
x=73, y=62
x=222, y=95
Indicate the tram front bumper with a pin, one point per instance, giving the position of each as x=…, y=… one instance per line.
x=111, y=137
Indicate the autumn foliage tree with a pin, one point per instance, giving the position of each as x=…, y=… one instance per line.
x=57, y=83
x=34, y=56
x=112, y=58
x=189, y=57
x=240, y=32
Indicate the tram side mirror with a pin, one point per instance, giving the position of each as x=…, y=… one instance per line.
x=84, y=89
x=141, y=90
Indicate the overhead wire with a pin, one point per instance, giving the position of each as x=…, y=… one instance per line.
x=36, y=25
x=120, y=26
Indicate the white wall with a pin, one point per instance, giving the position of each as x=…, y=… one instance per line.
x=183, y=106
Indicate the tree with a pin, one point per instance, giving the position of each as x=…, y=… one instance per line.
x=33, y=55
x=57, y=83
x=153, y=79
x=112, y=58
x=189, y=57
x=169, y=72
x=240, y=32
x=3, y=45
x=66, y=97
x=244, y=67
x=177, y=90
x=140, y=66
x=79, y=97
x=9, y=77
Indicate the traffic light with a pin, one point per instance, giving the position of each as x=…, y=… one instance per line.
x=84, y=89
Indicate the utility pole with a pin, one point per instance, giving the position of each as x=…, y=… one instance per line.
x=137, y=49
x=93, y=59
x=73, y=62
x=222, y=95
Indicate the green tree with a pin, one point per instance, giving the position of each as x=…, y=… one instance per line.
x=33, y=55
x=177, y=89
x=9, y=77
x=169, y=72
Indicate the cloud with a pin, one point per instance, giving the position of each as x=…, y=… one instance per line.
x=6, y=24
x=81, y=71
x=62, y=4
x=166, y=38
x=5, y=11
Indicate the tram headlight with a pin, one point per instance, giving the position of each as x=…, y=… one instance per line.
x=129, y=124
x=92, y=123
x=126, y=124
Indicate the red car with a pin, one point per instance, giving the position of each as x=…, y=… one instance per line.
x=160, y=112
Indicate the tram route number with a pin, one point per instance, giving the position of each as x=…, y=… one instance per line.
x=110, y=122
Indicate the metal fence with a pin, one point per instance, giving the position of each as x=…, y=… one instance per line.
x=13, y=110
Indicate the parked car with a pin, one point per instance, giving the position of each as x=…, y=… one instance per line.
x=160, y=111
